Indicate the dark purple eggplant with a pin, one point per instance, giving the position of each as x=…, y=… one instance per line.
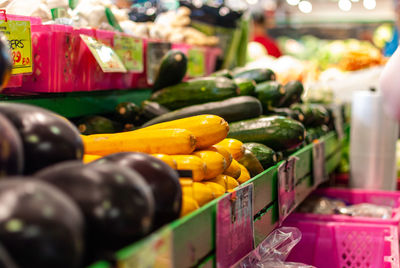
x=5, y=260
x=40, y=227
x=11, y=150
x=47, y=137
x=117, y=203
x=163, y=180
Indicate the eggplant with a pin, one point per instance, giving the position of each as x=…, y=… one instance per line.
x=5, y=260
x=47, y=138
x=11, y=149
x=117, y=203
x=41, y=226
x=163, y=180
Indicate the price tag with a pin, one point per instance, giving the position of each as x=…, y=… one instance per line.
x=286, y=191
x=105, y=56
x=338, y=120
x=319, y=172
x=156, y=251
x=155, y=52
x=234, y=227
x=18, y=34
x=130, y=51
x=196, y=62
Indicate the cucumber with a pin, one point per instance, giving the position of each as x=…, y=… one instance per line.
x=246, y=86
x=316, y=133
x=264, y=154
x=126, y=112
x=258, y=75
x=277, y=132
x=196, y=91
x=294, y=114
x=314, y=114
x=270, y=94
x=251, y=163
x=233, y=109
x=222, y=73
x=171, y=71
x=150, y=110
x=96, y=125
x=294, y=90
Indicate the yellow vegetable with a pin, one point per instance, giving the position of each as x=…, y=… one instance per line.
x=164, y=141
x=233, y=170
x=217, y=189
x=166, y=159
x=193, y=163
x=188, y=205
x=208, y=129
x=235, y=147
x=244, y=175
x=87, y=158
x=226, y=181
x=220, y=149
x=215, y=163
x=199, y=192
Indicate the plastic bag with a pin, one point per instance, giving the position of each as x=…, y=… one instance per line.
x=274, y=250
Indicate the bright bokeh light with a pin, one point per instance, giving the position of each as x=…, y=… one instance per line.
x=344, y=5
x=293, y=2
x=369, y=4
x=305, y=6
x=252, y=2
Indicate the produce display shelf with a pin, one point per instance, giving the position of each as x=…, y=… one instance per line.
x=193, y=236
x=78, y=104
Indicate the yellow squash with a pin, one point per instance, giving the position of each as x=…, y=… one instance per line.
x=188, y=205
x=235, y=147
x=226, y=181
x=218, y=190
x=199, y=192
x=192, y=163
x=208, y=129
x=220, y=149
x=244, y=175
x=162, y=141
x=87, y=158
x=215, y=163
x=233, y=170
x=167, y=159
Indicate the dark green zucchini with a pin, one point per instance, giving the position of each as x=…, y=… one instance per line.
x=316, y=133
x=196, y=91
x=264, y=154
x=277, y=132
x=96, y=125
x=171, y=71
x=233, y=109
x=270, y=94
x=314, y=114
x=126, y=112
x=150, y=110
x=287, y=112
x=246, y=86
x=251, y=163
x=294, y=90
x=222, y=73
x=258, y=75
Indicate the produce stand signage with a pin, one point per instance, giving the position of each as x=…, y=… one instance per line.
x=155, y=52
x=18, y=34
x=319, y=171
x=286, y=185
x=196, y=62
x=105, y=56
x=337, y=115
x=234, y=227
x=156, y=251
x=130, y=51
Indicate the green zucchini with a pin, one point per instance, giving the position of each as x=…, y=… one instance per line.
x=222, y=73
x=287, y=112
x=126, y=112
x=171, y=71
x=258, y=75
x=264, y=154
x=294, y=90
x=251, y=163
x=150, y=110
x=96, y=125
x=277, y=132
x=314, y=114
x=270, y=94
x=233, y=109
x=316, y=133
x=196, y=91
x=246, y=86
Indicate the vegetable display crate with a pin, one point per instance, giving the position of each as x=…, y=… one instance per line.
x=192, y=239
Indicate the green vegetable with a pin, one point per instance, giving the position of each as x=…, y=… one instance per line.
x=314, y=114
x=246, y=86
x=96, y=125
x=251, y=163
x=171, y=71
x=294, y=90
x=270, y=94
x=258, y=75
x=264, y=154
x=222, y=73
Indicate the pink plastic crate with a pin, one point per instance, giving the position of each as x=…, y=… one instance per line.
x=356, y=196
x=53, y=60
x=343, y=245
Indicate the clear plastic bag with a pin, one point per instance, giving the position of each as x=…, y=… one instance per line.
x=274, y=250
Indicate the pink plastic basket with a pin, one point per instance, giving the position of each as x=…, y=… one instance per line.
x=356, y=196
x=343, y=245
